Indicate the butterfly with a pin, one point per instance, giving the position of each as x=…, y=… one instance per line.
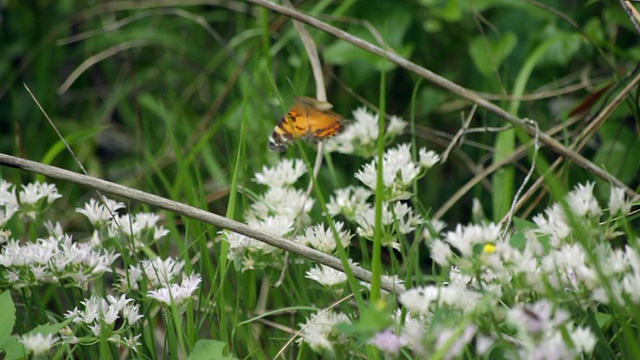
x=308, y=119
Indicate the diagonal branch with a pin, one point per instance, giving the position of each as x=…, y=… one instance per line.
x=450, y=86
x=189, y=211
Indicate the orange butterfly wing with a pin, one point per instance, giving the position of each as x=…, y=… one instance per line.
x=310, y=120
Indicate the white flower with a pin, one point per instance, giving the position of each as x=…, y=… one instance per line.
x=551, y=347
x=631, y=286
x=399, y=171
x=7, y=194
x=349, y=201
x=483, y=344
x=280, y=201
x=396, y=125
x=99, y=312
x=455, y=347
x=465, y=237
x=555, y=225
x=7, y=214
x=363, y=132
x=328, y=276
x=569, y=265
x=279, y=226
x=537, y=318
x=132, y=343
x=53, y=229
x=161, y=272
x=38, y=343
x=617, y=202
x=175, y=294
x=417, y=300
x=583, y=339
x=137, y=227
x=441, y=252
x=53, y=260
x=388, y=342
x=322, y=239
x=8, y=202
x=131, y=313
x=319, y=331
x=32, y=193
x=398, y=216
x=403, y=216
x=100, y=213
x=582, y=202
x=248, y=253
x=360, y=137
x=459, y=297
x=413, y=333
x=284, y=174
x=428, y=158
x=433, y=229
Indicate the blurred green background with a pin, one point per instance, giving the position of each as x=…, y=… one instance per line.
x=151, y=94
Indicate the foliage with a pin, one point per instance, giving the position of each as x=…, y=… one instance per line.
x=179, y=100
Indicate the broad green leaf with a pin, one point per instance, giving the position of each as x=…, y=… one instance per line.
x=518, y=239
x=488, y=55
x=206, y=349
x=450, y=12
x=13, y=348
x=7, y=315
x=593, y=29
x=71, y=139
x=389, y=24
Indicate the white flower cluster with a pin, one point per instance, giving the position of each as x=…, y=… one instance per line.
x=399, y=174
x=38, y=343
x=541, y=329
x=567, y=253
x=361, y=136
x=321, y=238
x=56, y=259
x=161, y=276
x=279, y=211
x=101, y=316
x=33, y=199
x=320, y=333
x=142, y=227
x=399, y=171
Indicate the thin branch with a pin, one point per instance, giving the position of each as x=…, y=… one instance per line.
x=450, y=86
x=458, y=135
x=587, y=133
x=321, y=90
x=517, y=154
x=97, y=58
x=190, y=212
x=632, y=13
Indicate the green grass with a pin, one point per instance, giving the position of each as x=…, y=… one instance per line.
x=185, y=113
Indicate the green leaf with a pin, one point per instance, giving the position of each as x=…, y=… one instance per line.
x=450, y=12
x=391, y=25
x=71, y=139
x=341, y=53
x=603, y=319
x=13, y=348
x=619, y=151
x=593, y=29
x=518, y=240
x=47, y=329
x=563, y=45
x=206, y=349
x=372, y=319
x=488, y=55
x=7, y=316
